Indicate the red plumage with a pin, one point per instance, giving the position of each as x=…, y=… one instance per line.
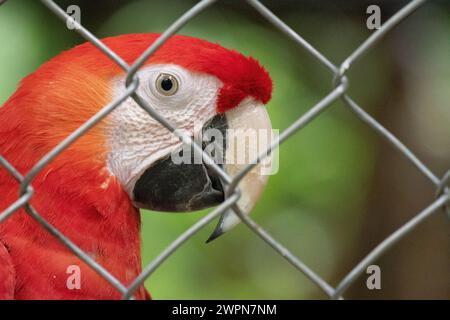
x=242, y=76
x=75, y=192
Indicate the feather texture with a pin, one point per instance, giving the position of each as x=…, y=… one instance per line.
x=76, y=193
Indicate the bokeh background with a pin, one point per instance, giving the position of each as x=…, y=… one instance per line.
x=340, y=189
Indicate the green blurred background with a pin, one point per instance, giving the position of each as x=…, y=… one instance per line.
x=341, y=189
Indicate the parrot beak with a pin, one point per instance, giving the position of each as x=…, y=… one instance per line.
x=181, y=182
x=249, y=134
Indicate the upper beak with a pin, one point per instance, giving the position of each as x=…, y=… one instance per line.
x=250, y=134
x=179, y=182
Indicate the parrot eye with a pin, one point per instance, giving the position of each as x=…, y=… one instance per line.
x=167, y=84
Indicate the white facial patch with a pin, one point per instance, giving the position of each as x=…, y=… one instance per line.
x=136, y=140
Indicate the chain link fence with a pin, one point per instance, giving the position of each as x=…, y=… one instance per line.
x=339, y=91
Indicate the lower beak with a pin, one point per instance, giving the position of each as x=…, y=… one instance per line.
x=181, y=182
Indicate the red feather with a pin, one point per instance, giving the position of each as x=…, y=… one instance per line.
x=75, y=192
x=242, y=76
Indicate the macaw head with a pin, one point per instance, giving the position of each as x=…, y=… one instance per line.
x=214, y=95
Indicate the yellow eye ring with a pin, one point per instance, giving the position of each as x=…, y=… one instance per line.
x=166, y=84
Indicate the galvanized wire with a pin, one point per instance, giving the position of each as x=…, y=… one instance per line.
x=339, y=91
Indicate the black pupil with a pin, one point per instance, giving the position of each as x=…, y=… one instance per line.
x=166, y=84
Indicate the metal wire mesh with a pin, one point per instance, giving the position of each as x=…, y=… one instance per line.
x=339, y=91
